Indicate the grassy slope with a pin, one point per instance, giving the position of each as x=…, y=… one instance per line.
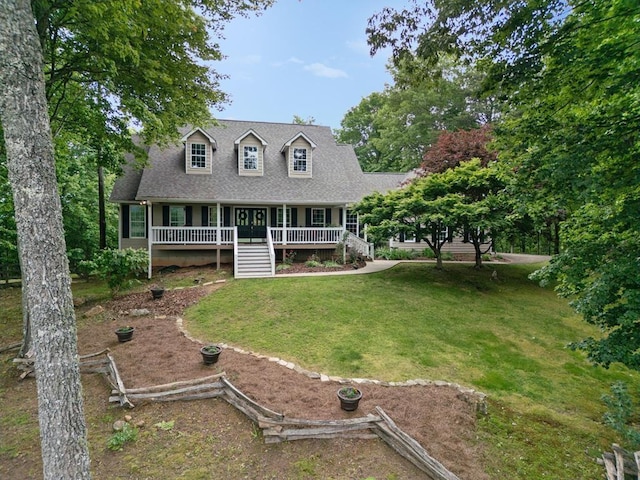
x=506, y=338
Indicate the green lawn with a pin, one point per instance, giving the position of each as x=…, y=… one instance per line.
x=506, y=338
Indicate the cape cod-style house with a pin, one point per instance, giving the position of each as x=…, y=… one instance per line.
x=244, y=193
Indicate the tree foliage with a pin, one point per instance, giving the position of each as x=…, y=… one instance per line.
x=467, y=200
x=113, y=64
x=569, y=70
x=46, y=285
x=452, y=148
x=118, y=267
x=391, y=130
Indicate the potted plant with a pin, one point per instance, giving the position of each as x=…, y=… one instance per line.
x=124, y=333
x=349, y=398
x=157, y=291
x=210, y=354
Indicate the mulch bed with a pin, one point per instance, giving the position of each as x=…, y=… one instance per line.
x=441, y=418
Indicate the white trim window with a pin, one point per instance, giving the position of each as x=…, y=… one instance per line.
x=198, y=155
x=250, y=157
x=317, y=217
x=213, y=216
x=352, y=222
x=279, y=217
x=137, y=224
x=177, y=216
x=300, y=160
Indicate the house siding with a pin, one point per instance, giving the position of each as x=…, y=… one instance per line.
x=251, y=140
x=300, y=143
x=198, y=137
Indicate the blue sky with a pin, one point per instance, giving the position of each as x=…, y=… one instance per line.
x=302, y=57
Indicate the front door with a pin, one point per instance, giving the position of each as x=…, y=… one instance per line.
x=252, y=224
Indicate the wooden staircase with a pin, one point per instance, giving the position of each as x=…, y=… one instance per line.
x=253, y=261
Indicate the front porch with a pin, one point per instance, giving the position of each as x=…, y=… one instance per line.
x=229, y=235
x=260, y=262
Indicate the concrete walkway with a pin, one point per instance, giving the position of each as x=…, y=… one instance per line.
x=380, y=265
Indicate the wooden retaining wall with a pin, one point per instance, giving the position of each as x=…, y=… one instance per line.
x=275, y=427
x=621, y=465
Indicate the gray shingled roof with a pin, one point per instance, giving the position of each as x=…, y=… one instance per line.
x=337, y=176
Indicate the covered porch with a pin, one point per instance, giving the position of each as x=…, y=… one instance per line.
x=261, y=261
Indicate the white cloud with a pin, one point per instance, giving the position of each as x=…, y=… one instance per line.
x=321, y=70
x=250, y=59
x=358, y=46
x=289, y=60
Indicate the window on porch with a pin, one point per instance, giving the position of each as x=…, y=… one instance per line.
x=177, y=216
x=317, y=217
x=279, y=219
x=213, y=216
x=137, y=221
x=352, y=222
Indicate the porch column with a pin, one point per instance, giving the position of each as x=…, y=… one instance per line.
x=284, y=223
x=344, y=232
x=344, y=217
x=218, y=224
x=149, y=237
x=218, y=235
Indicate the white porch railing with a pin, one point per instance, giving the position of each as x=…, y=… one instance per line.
x=193, y=235
x=307, y=235
x=361, y=246
x=272, y=253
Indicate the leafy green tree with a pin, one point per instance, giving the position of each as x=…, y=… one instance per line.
x=392, y=130
x=46, y=286
x=298, y=120
x=467, y=200
x=422, y=210
x=109, y=66
x=569, y=70
x=482, y=210
x=359, y=128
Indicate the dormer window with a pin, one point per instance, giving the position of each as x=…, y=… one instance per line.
x=198, y=152
x=250, y=147
x=250, y=157
x=299, y=154
x=300, y=160
x=198, y=155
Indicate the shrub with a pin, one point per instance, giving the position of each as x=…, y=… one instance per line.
x=331, y=264
x=428, y=253
x=120, y=267
x=85, y=268
x=619, y=415
x=313, y=261
x=395, y=254
x=118, y=439
x=446, y=256
x=289, y=257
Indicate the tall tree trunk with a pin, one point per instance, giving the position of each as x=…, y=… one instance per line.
x=101, y=207
x=46, y=283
